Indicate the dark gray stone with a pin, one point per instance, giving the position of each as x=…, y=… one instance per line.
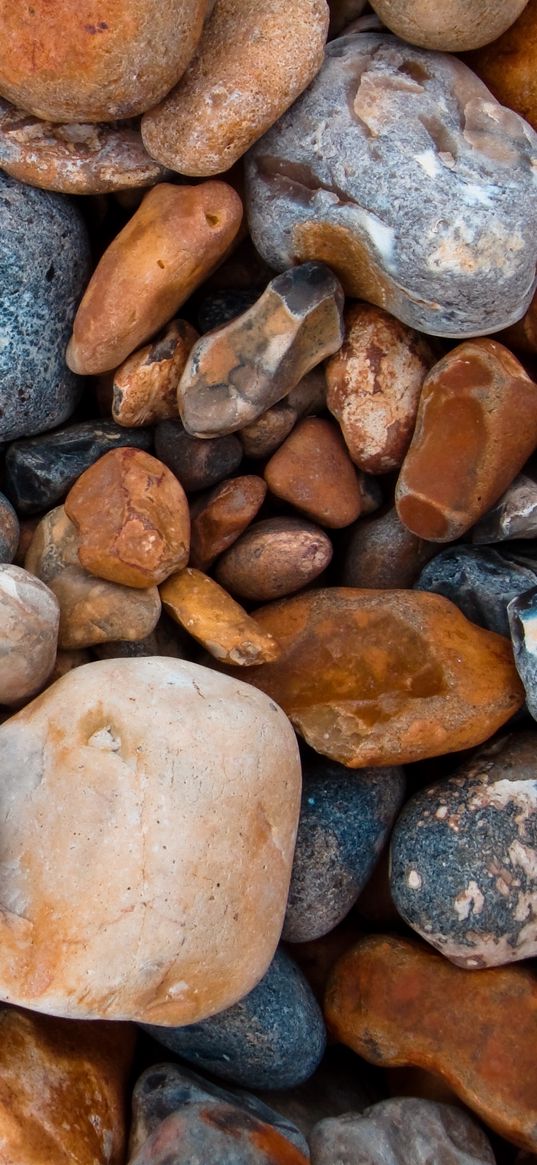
x=522, y=614
x=345, y=818
x=40, y=471
x=273, y=1038
x=480, y=582
x=222, y=306
x=464, y=857
x=342, y=1083
x=197, y=463
x=9, y=531
x=44, y=269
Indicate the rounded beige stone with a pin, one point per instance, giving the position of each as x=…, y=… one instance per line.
x=153, y=807
x=29, y=622
x=453, y=26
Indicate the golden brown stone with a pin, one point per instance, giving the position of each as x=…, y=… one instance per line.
x=399, y=1003
x=215, y=620
x=313, y=472
x=452, y=26
x=274, y=558
x=386, y=677
x=145, y=386
x=218, y=519
x=508, y=65
x=168, y=247
x=132, y=519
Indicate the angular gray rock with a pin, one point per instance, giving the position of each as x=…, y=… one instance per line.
x=402, y=1131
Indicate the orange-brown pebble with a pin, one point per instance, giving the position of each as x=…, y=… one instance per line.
x=523, y=335
x=214, y=619
x=252, y=62
x=145, y=386
x=132, y=519
x=168, y=247
x=95, y=61
x=386, y=677
x=313, y=472
x=374, y=385
x=273, y=558
x=508, y=65
x=476, y=426
x=62, y=1089
x=221, y=517
x=398, y=1003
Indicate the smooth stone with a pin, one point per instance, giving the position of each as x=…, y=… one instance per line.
x=313, y=472
x=62, y=1090
x=29, y=623
x=371, y=173
x=236, y=373
x=41, y=470
x=145, y=385
x=513, y=516
x=218, y=519
x=522, y=336
x=168, y=247
x=9, y=530
x=222, y=306
x=265, y=435
x=402, y=1131
x=476, y=428
x=74, y=158
x=274, y=558
x=383, y=554
x=479, y=581
x=397, y=1002
x=206, y=611
x=197, y=464
x=452, y=28
x=154, y=925
x=217, y=1134
x=374, y=386
x=251, y=64
x=273, y=1038
x=132, y=519
x=44, y=264
x=95, y=63
x=522, y=616
x=464, y=858
x=344, y=823
x=507, y=66
x=386, y=677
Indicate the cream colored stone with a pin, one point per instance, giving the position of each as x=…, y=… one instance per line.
x=453, y=25
x=29, y=620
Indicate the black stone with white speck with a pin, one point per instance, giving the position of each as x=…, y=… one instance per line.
x=480, y=582
x=464, y=858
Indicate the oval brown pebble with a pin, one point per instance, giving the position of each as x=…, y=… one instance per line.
x=274, y=558
x=214, y=619
x=220, y=518
x=382, y=554
x=452, y=26
x=145, y=385
x=313, y=471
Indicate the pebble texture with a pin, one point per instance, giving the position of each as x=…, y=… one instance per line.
x=522, y=615
x=513, y=516
x=402, y=1131
x=29, y=622
x=217, y=1134
x=132, y=903
x=274, y=558
x=479, y=581
x=9, y=530
x=451, y=27
x=383, y=554
x=371, y=173
x=196, y=463
x=44, y=267
x=464, y=858
x=507, y=65
x=214, y=619
x=222, y=516
x=313, y=472
x=145, y=386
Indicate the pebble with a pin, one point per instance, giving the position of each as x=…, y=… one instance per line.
x=314, y=473
x=513, y=516
x=217, y=1134
x=371, y=173
x=145, y=385
x=374, y=386
x=522, y=616
x=95, y=63
x=479, y=581
x=453, y=27
x=273, y=1038
x=214, y=619
x=344, y=823
x=264, y=436
x=40, y=471
x=383, y=554
x=222, y=306
x=476, y=427
x=132, y=519
x=218, y=519
x=74, y=158
x=236, y=373
x=62, y=1089
x=395, y=1002
x=386, y=677
x=464, y=858
x=196, y=463
x=251, y=65
x=29, y=622
x=9, y=530
x=402, y=1131
x=522, y=336
x=168, y=247
x=274, y=558
x=334, y=1088
x=134, y=899
x=44, y=267
x=507, y=66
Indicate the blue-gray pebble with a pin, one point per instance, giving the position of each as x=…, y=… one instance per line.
x=480, y=582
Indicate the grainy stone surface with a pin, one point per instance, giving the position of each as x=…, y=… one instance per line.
x=29, y=622
x=522, y=616
x=217, y=1134
x=479, y=581
x=507, y=65
x=335, y=1087
x=145, y=386
x=314, y=473
x=197, y=464
x=273, y=558
x=269, y=431
x=214, y=619
x=9, y=530
x=453, y=26
x=383, y=554
x=402, y=1131
x=513, y=516
x=221, y=516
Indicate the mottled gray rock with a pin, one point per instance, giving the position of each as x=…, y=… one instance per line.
x=513, y=516
x=273, y=1038
x=29, y=622
x=383, y=554
x=522, y=615
x=9, y=530
x=399, y=170
x=402, y=1131
x=44, y=268
x=196, y=464
x=480, y=582
x=212, y=1132
x=464, y=857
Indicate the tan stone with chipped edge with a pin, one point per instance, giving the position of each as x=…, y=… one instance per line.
x=215, y=620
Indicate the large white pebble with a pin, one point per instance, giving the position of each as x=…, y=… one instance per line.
x=29, y=622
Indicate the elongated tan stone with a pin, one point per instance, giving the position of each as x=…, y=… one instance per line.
x=212, y=617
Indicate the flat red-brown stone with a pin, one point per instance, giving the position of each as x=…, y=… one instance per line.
x=313, y=472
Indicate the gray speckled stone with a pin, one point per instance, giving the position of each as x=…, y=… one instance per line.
x=273, y=1038
x=44, y=268
x=464, y=858
x=513, y=516
x=399, y=169
x=479, y=581
x=522, y=615
x=402, y=1131
x=9, y=530
x=344, y=822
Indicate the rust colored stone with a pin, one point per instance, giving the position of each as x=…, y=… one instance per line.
x=508, y=65
x=313, y=472
x=476, y=426
x=274, y=558
x=383, y=554
x=221, y=517
x=132, y=519
x=62, y=1089
x=214, y=1132
x=145, y=386
x=95, y=61
x=214, y=619
x=523, y=335
x=397, y=1003
x=374, y=385
x=386, y=677
x=168, y=247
